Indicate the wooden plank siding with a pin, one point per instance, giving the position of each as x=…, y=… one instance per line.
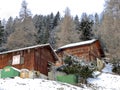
x=42, y=56
x=89, y=51
x=35, y=58
x=6, y=59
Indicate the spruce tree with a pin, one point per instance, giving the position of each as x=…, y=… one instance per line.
x=77, y=23
x=51, y=21
x=56, y=19
x=86, y=28
x=1, y=33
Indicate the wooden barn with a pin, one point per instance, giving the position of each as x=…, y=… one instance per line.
x=87, y=50
x=32, y=58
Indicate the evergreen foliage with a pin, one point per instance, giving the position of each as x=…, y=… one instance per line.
x=68, y=60
x=75, y=67
x=116, y=65
x=1, y=33
x=77, y=22
x=56, y=19
x=50, y=28
x=85, y=72
x=44, y=25
x=86, y=29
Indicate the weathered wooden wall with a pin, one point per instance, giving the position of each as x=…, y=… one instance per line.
x=88, y=52
x=27, y=55
x=42, y=57
x=96, y=50
x=33, y=59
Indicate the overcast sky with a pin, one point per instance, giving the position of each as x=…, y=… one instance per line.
x=12, y=7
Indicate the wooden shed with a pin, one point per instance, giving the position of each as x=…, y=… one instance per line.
x=87, y=50
x=32, y=58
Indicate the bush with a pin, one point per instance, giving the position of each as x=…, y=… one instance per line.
x=85, y=72
x=72, y=69
x=116, y=69
x=68, y=60
x=75, y=67
x=116, y=65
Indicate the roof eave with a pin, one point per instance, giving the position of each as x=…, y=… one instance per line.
x=15, y=50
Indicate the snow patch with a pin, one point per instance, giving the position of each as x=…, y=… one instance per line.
x=106, y=81
x=108, y=68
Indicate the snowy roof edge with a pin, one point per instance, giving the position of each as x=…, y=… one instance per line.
x=78, y=44
x=30, y=47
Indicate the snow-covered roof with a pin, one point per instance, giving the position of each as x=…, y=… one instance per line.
x=24, y=48
x=78, y=44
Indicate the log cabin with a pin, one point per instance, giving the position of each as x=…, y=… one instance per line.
x=86, y=50
x=32, y=58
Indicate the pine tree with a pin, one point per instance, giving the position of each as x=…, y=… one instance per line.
x=72, y=66
x=56, y=19
x=77, y=23
x=51, y=21
x=9, y=28
x=86, y=28
x=1, y=33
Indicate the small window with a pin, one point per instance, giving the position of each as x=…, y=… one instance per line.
x=16, y=60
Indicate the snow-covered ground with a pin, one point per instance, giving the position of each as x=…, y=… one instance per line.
x=105, y=81
x=35, y=84
x=108, y=68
